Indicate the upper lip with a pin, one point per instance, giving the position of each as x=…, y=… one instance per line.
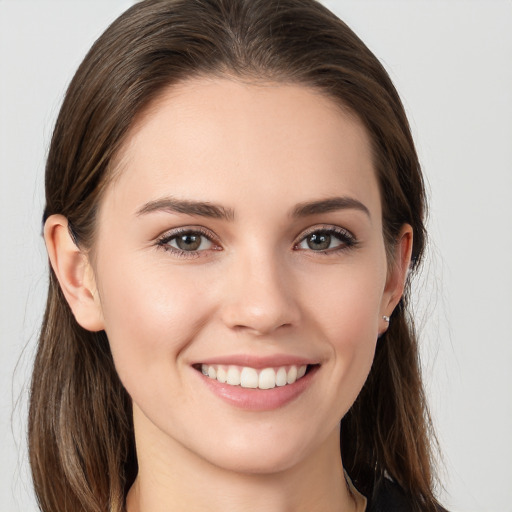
x=259, y=362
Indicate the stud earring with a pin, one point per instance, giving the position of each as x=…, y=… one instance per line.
x=385, y=318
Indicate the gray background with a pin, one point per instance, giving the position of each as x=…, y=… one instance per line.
x=452, y=63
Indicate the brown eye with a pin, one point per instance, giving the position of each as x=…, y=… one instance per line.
x=187, y=241
x=327, y=240
x=319, y=241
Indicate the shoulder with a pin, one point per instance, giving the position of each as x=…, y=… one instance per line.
x=388, y=496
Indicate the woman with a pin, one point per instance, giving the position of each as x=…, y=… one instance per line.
x=234, y=203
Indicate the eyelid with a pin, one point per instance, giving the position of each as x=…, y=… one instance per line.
x=325, y=227
x=345, y=235
x=163, y=240
x=348, y=239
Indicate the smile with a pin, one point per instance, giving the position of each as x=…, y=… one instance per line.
x=252, y=378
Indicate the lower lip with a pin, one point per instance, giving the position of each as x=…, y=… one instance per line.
x=259, y=399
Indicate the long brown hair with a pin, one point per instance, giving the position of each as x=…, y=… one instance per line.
x=80, y=427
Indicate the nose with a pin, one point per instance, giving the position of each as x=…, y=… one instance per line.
x=259, y=296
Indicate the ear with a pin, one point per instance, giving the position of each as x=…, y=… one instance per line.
x=74, y=272
x=397, y=275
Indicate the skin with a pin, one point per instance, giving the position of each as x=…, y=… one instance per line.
x=258, y=289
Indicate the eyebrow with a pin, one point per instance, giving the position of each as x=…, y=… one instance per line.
x=188, y=207
x=329, y=205
x=214, y=211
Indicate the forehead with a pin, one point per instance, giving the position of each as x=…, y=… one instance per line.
x=259, y=139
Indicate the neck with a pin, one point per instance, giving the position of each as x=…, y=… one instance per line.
x=171, y=477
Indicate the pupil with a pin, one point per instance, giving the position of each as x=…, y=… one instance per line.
x=188, y=242
x=319, y=242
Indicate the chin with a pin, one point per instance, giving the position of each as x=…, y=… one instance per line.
x=261, y=456
x=252, y=464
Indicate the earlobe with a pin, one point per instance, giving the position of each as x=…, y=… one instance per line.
x=397, y=275
x=74, y=272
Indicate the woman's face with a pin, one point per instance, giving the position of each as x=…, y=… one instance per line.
x=243, y=239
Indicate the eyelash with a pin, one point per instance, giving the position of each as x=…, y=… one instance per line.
x=165, y=240
x=346, y=238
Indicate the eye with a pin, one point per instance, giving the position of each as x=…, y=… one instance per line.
x=187, y=242
x=190, y=242
x=327, y=240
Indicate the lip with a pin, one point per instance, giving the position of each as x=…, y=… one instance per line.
x=258, y=399
x=258, y=362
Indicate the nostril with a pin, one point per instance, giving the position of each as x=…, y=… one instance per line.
x=261, y=327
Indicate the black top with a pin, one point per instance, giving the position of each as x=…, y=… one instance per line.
x=388, y=496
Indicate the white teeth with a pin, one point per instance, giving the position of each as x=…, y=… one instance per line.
x=222, y=376
x=292, y=375
x=267, y=379
x=281, y=377
x=233, y=377
x=247, y=377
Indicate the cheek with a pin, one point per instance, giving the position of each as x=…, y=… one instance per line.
x=151, y=314
x=347, y=302
x=346, y=312
x=352, y=335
